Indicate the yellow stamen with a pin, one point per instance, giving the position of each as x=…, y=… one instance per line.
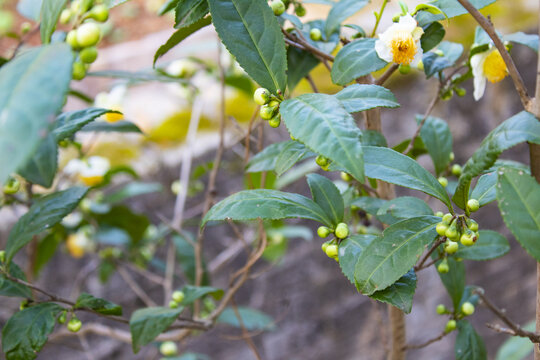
x=403, y=48
x=91, y=180
x=73, y=246
x=494, y=67
x=113, y=117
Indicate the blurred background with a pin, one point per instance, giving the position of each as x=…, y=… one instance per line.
x=317, y=314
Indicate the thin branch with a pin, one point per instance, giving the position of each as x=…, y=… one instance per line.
x=135, y=287
x=435, y=245
x=245, y=334
x=312, y=83
x=387, y=74
x=429, y=342
x=423, y=121
x=248, y=134
x=304, y=45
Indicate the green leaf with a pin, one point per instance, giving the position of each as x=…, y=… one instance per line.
x=26, y=332
x=266, y=160
x=30, y=8
x=432, y=36
x=517, y=348
x=469, y=345
x=402, y=208
x=43, y=214
x=327, y=196
x=355, y=60
x=186, y=258
x=340, y=12
x=42, y=167
x=433, y=63
x=518, y=196
x=251, y=319
x=451, y=8
x=192, y=293
x=11, y=288
x=530, y=40
x=358, y=97
x=519, y=128
x=373, y=138
x=180, y=35
x=485, y=190
x=146, y=324
x=267, y=205
x=437, y=138
x=68, y=123
x=47, y=248
x=188, y=12
x=391, y=256
x=349, y=251
x=122, y=217
x=135, y=77
x=300, y=63
x=371, y=205
x=323, y=125
x=453, y=280
x=167, y=6
x=250, y=31
x=490, y=245
x=390, y=166
x=118, y=126
x=41, y=74
x=133, y=189
x=292, y=152
x=102, y=306
x=50, y=13
x=400, y=294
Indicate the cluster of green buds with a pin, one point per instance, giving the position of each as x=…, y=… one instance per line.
x=467, y=309
x=85, y=34
x=269, y=106
x=330, y=247
x=74, y=324
x=11, y=186
x=280, y=6
x=323, y=162
x=176, y=298
x=457, y=228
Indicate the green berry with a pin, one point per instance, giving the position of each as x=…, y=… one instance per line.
x=278, y=7
x=322, y=161
x=173, y=304
x=467, y=308
x=315, y=34
x=450, y=326
x=473, y=205
x=261, y=96
x=439, y=214
x=332, y=250
x=88, y=35
x=441, y=309
x=71, y=39
x=88, y=55
x=342, y=231
x=267, y=112
x=323, y=231
x=65, y=16
x=324, y=246
x=451, y=156
x=443, y=267
x=300, y=10
x=456, y=170
x=168, y=348
x=275, y=121
x=75, y=6
x=11, y=186
x=178, y=296
x=443, y=181
x=472, y=225
x=452, y=232
x=404, y=69
x=74, y=324
x=441, y=229
x=25, y=27
x=460, y=91
x=467, y=238
x=62, y=318
x=451, y=247
x=100, y=13
x=346, y=177
x=447, y=218
x=79, y=71
x=2, y=256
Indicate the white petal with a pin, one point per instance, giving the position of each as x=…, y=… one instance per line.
x=117, y=93
x=407, y=23
x=383, y=51
x=477, y=65
x=419, y=54
x=73, y=166
x=479, y=87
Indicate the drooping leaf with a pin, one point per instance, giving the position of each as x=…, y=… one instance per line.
x=251, y=319
x=390, y=166
x=485, y=190
x=41, y=74
x=118, y=126
x=324, y=126
x=451, y=8
x=355, y=60
x=300, y=63
x=469, y=345
x=327, y=196
x=250, y=31
x=432, y=36
x=402, y=208
x=340, y=11
x=12, y=288
x=454, y=280
x=433, y=62
x=358, y=97
x=266, y=160
x=42, y=166
x=192, y=293
x=490, y=245
x=146, y=324
x=530, y=40
x=349, y=251
x=169, y=5
x=437, y=138
x=188, y=12
x=50, y=13
x=291, y=153
x=400, y=294
x=391, y=256
x=68, y=123
x=43, y=214
x=102, y=306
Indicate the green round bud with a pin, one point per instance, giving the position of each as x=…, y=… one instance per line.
x=178, y=296
x=472, y=225
x=323, y=231
x=11, y=186
x=452, y=233
x=443, y=267
x=88, y=55
x=277, y=239
x=315, y=34
x=23, y=305
x=275, y=121
x=473, y=205
x=25, y=27
x=324, y=246
x=451, y=156
x=62, y=318
x=439, y=214
x=467, y=308
x=267, y=112
x=2, y=256
x=300, y=10
x=460, y=91
x=450, y=326
x=71, y=39
x=88, y=35
x=451, y=247
x=65, y=16
x=441, y=309
x=443, y=181
x=74, y=324
x=332, y=250
x=79, y=71
x=346, y=177
x=261, y=96
x=278, y=7
x=467, y=238
x=456, y=170
x=100, y=13
x=322, y=161
x=441, y=229
x=447, y=218
x=168, y=348
x=404, y=69
x=173, y=304
x=342, y=231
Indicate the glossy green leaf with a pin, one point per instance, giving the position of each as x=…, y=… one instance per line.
x=327, y=196
x=349, y=251
x=371, y=205
x=133, y=189
x=517, y=129
x=400, y=294
x=490, y=245
x=485, y=190
x=402, y=208
x=43, y=214
x=300, y=63
x=169, y=5
x=146, y=324
x=433, y=62
x=12, y=288
x=50, y=13
x=518, y=196
x=355, y=60
x=266, y=159
x=453, y=280
x=390, y=166
x=180, y=35
x=390, y=257
x=292, y=152
x=451, y=8
x=26, y=332
x=432, y=36
x=118, y=126
x=517, y=348
x=68, y=123
x=267, y=205
x=250, y=31
x=437, y=138
x=358, y=97
x=41, y=74
x=469, y=345
x=42, y=166
x=188, y=12
x=192, y=293
x=530, y=40
x=251, y=319
x=373, y=138
x=102, y=306
x=324, y=126
x=340, y=12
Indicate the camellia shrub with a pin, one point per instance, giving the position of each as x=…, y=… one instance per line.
x=379, y=241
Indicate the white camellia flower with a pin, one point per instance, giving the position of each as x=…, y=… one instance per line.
x=400, y=43
x=89, y=171
x=181, y=68
x=112, y=100
x=487, y=65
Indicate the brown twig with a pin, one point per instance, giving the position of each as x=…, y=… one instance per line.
x=387, y=74
x=248, y=135
x=135, y=287
x=312, y=83
x=429, y=342
x=423, y=121
x=436, y=244
x=245, y=334
x=302, y=44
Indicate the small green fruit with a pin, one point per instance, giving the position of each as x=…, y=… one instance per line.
x=278, y=7
x=88, y=55
x=460, y=91
x=467, y=238
x=456, y=170
x=447, y=218
x=443, y=181
x=443, y=267
x=441, y=229
x=322, y=161
x=439, y=214
x=79, y=71
x=173, y=304
x=65, y=16
x=473, y=205
x=275, y=121
x=467, y=308
x=2, y=256
x=74, y=324
x=168, y=348
x=100, y=13
x=267, y=112
x=332, y=250
x=261, y=96
x=450, y=326
x=178, y=296
x=404, y=69
x=71, y=39
x=342, y=231
x=452, y=156
x=88, y=35
x=315, y=34
x=441, y=309
x=452, y=232
x=451, y=247
x=472, y=225
x=11, y=186
x=346, y=177
x=323, y=231
x=325, y=246
x=62, y=318
x=25, y=27
x=300, y=10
